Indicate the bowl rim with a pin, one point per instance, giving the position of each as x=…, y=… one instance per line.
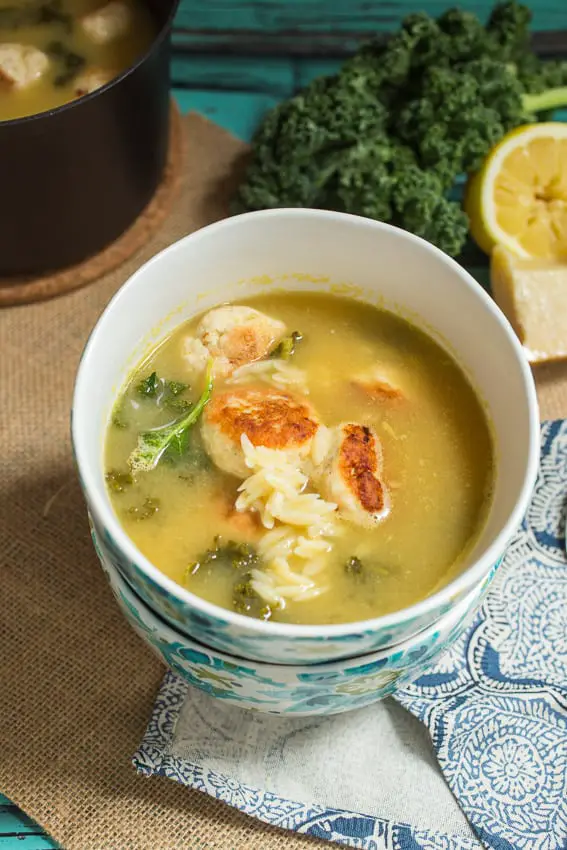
x=347, y=664
x=458, y=587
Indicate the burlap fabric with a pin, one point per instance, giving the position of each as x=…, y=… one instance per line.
x=76, y=684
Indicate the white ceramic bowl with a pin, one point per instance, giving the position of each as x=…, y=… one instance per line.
x=329, y=688
x=308, y=250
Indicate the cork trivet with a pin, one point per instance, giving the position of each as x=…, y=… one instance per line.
x=76, y=684
x=38, y=288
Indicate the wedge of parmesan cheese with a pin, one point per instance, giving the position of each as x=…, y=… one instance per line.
x=533, y=295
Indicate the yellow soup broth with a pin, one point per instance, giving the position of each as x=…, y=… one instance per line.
x=77, y=63
x=437, y=464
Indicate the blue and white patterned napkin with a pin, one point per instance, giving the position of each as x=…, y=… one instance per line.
x=494, y=709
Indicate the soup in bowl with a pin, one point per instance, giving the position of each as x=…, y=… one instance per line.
x=309, y=690
x=303, y=435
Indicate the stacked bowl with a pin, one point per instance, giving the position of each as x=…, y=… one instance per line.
x=278, y=667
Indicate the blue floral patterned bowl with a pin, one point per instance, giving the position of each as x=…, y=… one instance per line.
x=309, y=250
x=328, y=688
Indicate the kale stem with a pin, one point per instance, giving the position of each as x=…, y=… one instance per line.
x=152, y=445
x=196, y=411
x=546, y=100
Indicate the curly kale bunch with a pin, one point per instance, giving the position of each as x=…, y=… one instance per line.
x=382, y=181
x=388, y=135
x=302, y=143
x=328, y=147
x=484, y=83
x=458, y=114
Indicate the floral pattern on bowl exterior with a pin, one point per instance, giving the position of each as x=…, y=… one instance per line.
x=328, y=688
x=221, y=634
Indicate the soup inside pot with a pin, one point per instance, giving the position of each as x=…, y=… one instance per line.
x=340, y=468
x=54, y=51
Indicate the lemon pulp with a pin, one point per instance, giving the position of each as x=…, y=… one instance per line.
x=519, y=197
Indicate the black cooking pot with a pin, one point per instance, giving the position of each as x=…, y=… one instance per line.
x=73, y=179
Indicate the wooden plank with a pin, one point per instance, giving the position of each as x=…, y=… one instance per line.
x=275, y=16
x=236, y=42
x=18, y=830
x=13, y=821
x=275, y=77
x=292, y=43
x=238, y=112
x=307, y=69
x=27, y=842
x=278, y=78
x=481, y=274
x=319, y=27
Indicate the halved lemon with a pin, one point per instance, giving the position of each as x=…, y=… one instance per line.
x=519, y=197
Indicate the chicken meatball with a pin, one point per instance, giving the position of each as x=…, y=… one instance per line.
x=269, y=417
x=108, y=23
x=21, y=65
x=351, y=474
x=381, y=383
x=91, y=80
x=233, y=337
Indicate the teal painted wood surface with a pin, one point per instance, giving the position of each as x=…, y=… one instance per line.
x=18, y=832
x=235, y=73
x=237, y=112
x=26, y=842
x=297, y=16
x=278, y=77
x=309, y=27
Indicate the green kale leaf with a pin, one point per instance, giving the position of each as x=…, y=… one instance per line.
x=152, y=445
